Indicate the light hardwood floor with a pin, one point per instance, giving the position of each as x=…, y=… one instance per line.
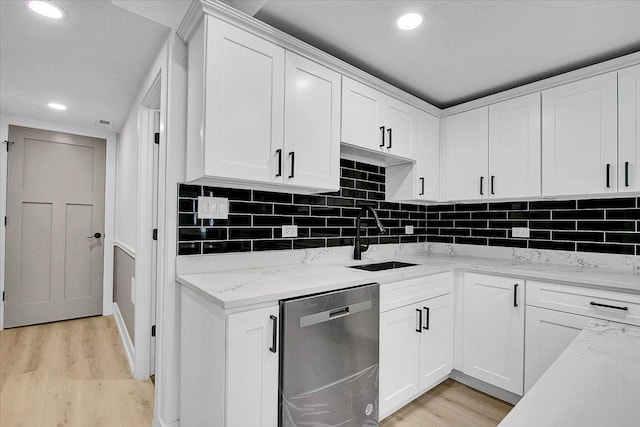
x=450, y=404
x=71, y=373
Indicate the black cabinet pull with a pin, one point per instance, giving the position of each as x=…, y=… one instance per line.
x=419, y=327
x=382, y=132
x=608, y=175
x=422, y=186
x=626, y=174
x=279, y=151
x=492, y=181
x=274, y=336
x=427, y=318
x=389, y=132
x=481, y=185
x=515, y=295
x=293, y=159
x=609, y=306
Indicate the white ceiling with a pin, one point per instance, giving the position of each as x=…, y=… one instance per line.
x=467, y=49
x=94, y=61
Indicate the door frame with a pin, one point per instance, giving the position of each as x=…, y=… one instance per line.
x=109, y=195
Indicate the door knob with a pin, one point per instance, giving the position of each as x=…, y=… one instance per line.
x=95, y=236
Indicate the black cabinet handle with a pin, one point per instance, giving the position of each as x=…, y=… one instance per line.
x=293, y=159
x=626, y=174
x=389, y=132
x=493, y=178
x=481, y=185
x=279, y=151
x=382, y=132
x=608, y=175
x=421, y=186
x=419, y=327
x=274, y=336
x=515, y=295
x=427, y=318
x=609, y=306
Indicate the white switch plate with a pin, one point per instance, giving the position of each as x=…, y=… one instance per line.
x=408, y=229
x=289, y=231
x=520, y=232
x=213, y=208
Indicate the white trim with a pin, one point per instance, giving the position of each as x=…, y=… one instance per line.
x=159, y=423
x=540, y=85
x=226, y=13
x=127, y=249
x=109, y=195
x=127, y=345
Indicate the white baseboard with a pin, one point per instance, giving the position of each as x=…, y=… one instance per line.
x=124, y=336
x=159, y=423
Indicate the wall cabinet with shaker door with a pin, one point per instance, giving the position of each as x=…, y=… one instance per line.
x=416, y=339
x=419, y=181
x=376, y=122
x=227, y=360
x=579, y=137
x=251, y=123
x=493, y=330
x=629, y=129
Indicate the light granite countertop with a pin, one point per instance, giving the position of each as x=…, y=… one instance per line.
x=594, y=383
x=242, y=287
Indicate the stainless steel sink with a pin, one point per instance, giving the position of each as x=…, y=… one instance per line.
x=379, y=266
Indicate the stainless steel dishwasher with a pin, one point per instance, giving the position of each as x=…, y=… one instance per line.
x=329, y=359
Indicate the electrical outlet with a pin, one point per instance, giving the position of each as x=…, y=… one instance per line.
x=213, y=208
x=408, y=229
x=520, y=232
x=289, y=231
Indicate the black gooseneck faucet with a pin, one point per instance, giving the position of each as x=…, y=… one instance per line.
x=359, y=247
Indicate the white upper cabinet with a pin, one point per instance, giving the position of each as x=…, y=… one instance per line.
x=579, y=137
x=311, y=124
x=258, y=116
x=375, y=121
x=629, y=129
x=514, y=147
x=467, y=151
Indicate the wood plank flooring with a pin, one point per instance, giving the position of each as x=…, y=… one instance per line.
x=450, y=404
x=71, y=373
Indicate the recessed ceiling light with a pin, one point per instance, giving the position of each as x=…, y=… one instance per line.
x=410, y=21
x=46, y=8
x=57, y=106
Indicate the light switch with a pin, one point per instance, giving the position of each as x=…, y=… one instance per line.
x=213, y=208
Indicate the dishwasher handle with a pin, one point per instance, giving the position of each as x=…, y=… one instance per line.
x=333, y=314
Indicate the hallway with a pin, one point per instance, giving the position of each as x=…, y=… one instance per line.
x=71, y=373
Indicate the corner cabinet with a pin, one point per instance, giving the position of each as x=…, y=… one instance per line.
x=227, y=360
x=579, y=137
x=629, y=129
x=376, y=122
x=493, y=331
x=258, y=115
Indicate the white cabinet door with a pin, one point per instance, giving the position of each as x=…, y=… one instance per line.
x=399, y=120
x=361, y=116
x=427, y=149
x=467, y=139
x=493, y=331
x=399, y=353
x=579, y=137
x=252, y=368
x=514, y=147
x=244, y=104
x=629, y=129
x=436, y=340
x=548, y=334
x=312, y=125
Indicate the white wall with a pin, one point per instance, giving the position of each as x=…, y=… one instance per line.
x=127, y=181
x=110, y=137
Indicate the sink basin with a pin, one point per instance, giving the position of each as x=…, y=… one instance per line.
x=389, y=265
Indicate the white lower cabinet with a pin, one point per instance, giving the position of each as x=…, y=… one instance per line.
x=548, y=334
x=416, y=349
x=493, y=330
